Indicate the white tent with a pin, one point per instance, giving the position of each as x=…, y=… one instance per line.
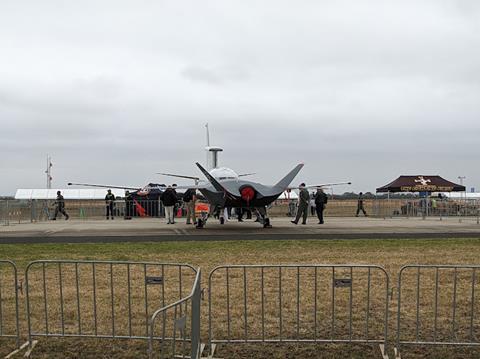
x=288, y=195
x=462, y=195
x=88, y=193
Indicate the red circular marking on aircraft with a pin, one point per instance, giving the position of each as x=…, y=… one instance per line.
x=247, y=193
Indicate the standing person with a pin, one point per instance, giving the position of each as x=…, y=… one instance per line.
x=109, y=202
x=60, y=207
x=303, y=202
x=291, y=207
x=190, y=197
x=321, y=200
x=360, y=205
x=128, y=205
x=169, y=199
x=176, y=206
x=433, y=202
x=312, y=204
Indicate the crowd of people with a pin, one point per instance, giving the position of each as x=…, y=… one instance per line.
x=170, y=199
x=317, y=202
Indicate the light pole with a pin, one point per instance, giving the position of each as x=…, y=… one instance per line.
x=461, y=178
x=48, y=171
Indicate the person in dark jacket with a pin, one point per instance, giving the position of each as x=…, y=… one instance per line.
x=360, y=205
x=169, y=199
x=303, y=203
x=60, y=206
x=128, y=205
x=189, y=198
x=109, y=203
x=320, y=202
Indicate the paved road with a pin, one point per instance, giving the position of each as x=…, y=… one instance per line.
x=146, y=230
x=180, y=238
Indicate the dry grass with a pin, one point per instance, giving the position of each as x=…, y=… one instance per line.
x=391, y=254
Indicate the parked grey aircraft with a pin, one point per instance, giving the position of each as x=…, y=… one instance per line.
x=224, y=188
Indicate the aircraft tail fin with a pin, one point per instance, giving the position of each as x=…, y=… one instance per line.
x=210, y=178
x=285, y=181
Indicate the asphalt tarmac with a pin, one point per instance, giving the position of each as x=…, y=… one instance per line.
x=156, y=230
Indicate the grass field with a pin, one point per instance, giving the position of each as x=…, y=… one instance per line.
x=391, y=254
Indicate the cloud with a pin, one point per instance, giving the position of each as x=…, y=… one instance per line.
x=362, y=91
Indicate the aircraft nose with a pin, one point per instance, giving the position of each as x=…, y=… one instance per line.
x=247, y=193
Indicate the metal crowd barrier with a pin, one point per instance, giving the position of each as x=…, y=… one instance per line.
x=437, y=305
x=298, y=303
x=100, y=299
x=176, y=318
x=9, y=318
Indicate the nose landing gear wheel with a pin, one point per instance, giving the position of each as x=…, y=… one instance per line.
x=200, y=224
x=266, y=223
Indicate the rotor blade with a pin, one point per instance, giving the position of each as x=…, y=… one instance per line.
x=246, y=174
x=163, y=188
x=322, y=185
x=179, y=176
x=329, y=184
x=103, y=186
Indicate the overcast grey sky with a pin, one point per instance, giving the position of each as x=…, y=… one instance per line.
x=115, y=91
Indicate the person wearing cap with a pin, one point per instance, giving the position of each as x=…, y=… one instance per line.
x=60, y=207
x=303, y=203
x=109, y=202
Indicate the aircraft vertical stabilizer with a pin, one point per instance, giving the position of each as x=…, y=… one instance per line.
x=285, y=181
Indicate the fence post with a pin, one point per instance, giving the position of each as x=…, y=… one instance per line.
x=195, y=321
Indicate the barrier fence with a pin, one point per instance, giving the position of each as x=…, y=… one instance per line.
x=298, y=303
x=437, y=305
x=100, y=299
x=25, y=211
x=179, y=324
x=9, y=312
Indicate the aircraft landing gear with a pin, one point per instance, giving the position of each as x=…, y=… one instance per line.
x=266, y=223
x=264, y=217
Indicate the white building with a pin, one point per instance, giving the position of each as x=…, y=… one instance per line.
x=84, y=193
